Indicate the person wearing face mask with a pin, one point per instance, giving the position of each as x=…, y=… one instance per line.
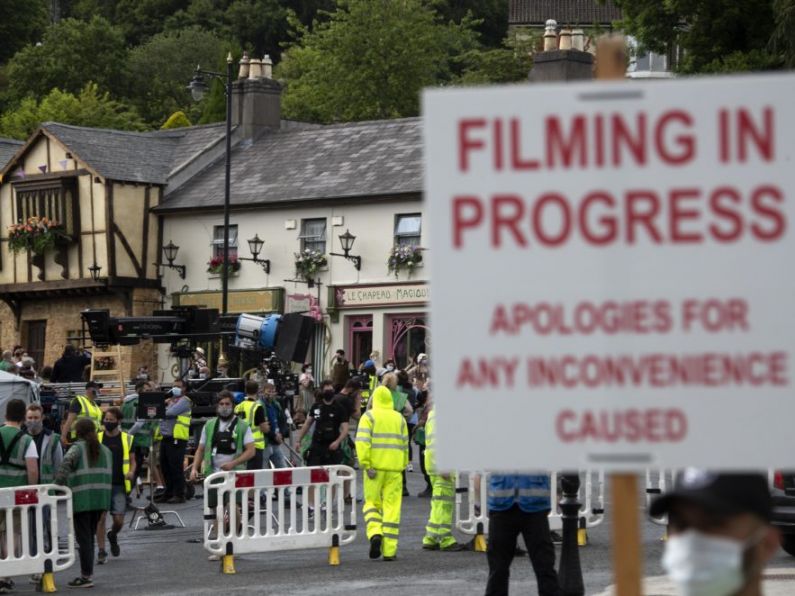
x=306, y=385
x=226, y=444
x=719, y=533
x=82, y=406
x=175, y=429
x=330, y=421
x=120, y=445
x=141, y=430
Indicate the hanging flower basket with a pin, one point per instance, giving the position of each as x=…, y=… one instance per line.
x=216, y=265
x=308, y=263
x=36, y=235
x=405, y=257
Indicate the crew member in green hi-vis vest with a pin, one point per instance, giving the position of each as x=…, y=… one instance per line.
x=18, y=467
x=87, y=469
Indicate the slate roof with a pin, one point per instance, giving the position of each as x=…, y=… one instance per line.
x=565, y=12
x=361, y=159
x=8, y=147
x=146, y=157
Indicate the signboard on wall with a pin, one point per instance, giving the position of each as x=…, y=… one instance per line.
x=381, y=295
x=611, y=269
x=239, y=301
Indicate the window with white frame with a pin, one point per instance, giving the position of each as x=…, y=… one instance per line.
x=408, y=229
x=218, y=242
x=313, y=235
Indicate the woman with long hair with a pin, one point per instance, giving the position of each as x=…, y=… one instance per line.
x=87, y=469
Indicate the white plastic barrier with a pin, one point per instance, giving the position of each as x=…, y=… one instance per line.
x=35, y=517
x=473, y=512
x=269, y=517
x=658, y=482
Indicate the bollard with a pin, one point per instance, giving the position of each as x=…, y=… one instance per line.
x=480, y=540
x=582, y=533
x=334, y=551
x=570, y=571
x=228, y=561
x=47, y=581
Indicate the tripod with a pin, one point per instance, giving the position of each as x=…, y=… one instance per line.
x=151, y=513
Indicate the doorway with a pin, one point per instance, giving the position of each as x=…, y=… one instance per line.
x=34, y=336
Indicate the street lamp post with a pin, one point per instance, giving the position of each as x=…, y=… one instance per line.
x=198, y=88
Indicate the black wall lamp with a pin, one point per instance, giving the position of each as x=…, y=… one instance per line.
x=170, y=253
x=346, y=240
x=94, y=271
x=255, y=246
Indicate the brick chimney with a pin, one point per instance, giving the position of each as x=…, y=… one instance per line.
x=563, y=58
x=256, y=98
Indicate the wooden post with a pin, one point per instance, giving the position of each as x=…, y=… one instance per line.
x=627, y=547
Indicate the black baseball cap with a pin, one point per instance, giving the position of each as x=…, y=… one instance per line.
x=93, y=384
x=724, y=494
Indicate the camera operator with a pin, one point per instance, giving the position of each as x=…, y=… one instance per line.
x=330, y=432
x=175, y=429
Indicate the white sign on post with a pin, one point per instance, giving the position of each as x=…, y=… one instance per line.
x=613, y=273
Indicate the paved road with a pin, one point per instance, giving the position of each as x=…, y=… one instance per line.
x=168, y=562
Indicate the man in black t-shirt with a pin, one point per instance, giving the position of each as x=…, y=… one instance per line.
x=330, y=422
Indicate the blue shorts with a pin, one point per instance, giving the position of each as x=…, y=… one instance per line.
x=118, y=500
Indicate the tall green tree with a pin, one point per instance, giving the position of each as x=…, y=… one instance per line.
x=22, y=22
x=783, y=39
x=713, y=35
x=72, y=53
x=89, y=108
x=370, y=60
x=491, y=17
x=160, y=70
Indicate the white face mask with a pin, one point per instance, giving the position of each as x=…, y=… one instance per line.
x=702, y=565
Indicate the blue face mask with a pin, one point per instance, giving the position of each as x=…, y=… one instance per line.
x=176, y=392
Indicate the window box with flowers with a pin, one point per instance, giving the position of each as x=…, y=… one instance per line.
x=37, y=235
x=215, y=266
x=404, y=258
x=308, y=263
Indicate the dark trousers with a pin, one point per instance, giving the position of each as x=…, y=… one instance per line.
x=255, y=463
x=85, y=530
x=172, y=460
x=422, y=467
x=504, y=529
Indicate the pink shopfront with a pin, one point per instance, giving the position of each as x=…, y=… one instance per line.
x=389, y=318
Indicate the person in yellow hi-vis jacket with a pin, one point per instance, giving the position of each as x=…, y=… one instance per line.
x=439, y=529
x=382, y=442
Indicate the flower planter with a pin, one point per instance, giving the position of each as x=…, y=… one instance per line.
x=308, y=264
x=404, y=258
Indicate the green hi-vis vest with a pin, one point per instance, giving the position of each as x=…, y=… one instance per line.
x=91, y=483
x=129, y=412
x=88, y=409
x=126, y=445
x=247, y=410
x=49, y=444
x=209, y=435
x=13, y=471
x=182, y=425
